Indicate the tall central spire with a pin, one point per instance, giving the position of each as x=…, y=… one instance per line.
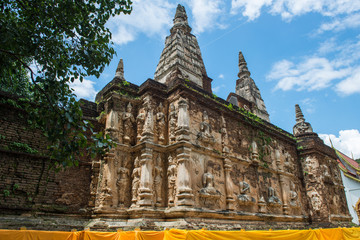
x=180, y=20
x=181, y=57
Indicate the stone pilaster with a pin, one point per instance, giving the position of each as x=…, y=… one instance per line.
x=184, y=192
x=284, y=194
x=146, y=178
x=230, y=201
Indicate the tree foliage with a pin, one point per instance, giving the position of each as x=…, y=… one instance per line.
x=45, y=45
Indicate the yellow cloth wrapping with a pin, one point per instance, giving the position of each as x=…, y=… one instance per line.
x=36, y=235
x=249, y=235
x=176, y=234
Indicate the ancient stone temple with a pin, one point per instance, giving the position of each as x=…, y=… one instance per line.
x=187, y=159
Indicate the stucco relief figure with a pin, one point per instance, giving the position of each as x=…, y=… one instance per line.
x=172, y=123
x=122, y=183
x=326, y=174
x=160, y=126
x=105, y=198
x=205, y=130
x=128, y=120
x=273, y=199
x=288, y=163
x=140, y=119
x=315, y=200
x=158, y=181
x=208, y=194
x=112, y=125
x=208, y=182
x=302, y=127
x=293, y=196
x=135, y=182
x=337, y=176
x=171, y=174
x=262, y=205
x=311, y=167
x=244, y=197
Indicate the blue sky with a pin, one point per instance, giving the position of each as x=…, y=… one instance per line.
x=298, y=52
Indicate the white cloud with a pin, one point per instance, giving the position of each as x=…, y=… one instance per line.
x=348, y=142
x=206, y=14
x=317, y=72
x=313, y=73
x=251, y=8
x=217, y=88
x=341, y=23
x=221, y=76
x=148, y=17
x=84, y=89
x=308, y=103
x=351, y=84
x=287, y=9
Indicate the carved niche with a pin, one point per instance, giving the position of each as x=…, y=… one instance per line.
x=104, y=198
x=122, y=181
x=209, y=195
x=244, y=198
x=204, y=135
x=273, y=199
x=293, y=196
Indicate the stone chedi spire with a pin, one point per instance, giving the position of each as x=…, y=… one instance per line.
x=246, y=88
x=181, y=57
x=301, y=127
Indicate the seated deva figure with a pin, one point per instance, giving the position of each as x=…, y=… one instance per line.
x=273, y=199
x=208, y=183
x=243, y=197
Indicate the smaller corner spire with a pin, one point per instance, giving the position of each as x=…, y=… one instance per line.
x=243, y=70
x=298, y=114
x=301, y=127
x=120, y=69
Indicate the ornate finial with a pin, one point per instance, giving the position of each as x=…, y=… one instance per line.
x=301, y=126
x=180, y=20
x=242, y=66
x=180, y=13
x=120, y=69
